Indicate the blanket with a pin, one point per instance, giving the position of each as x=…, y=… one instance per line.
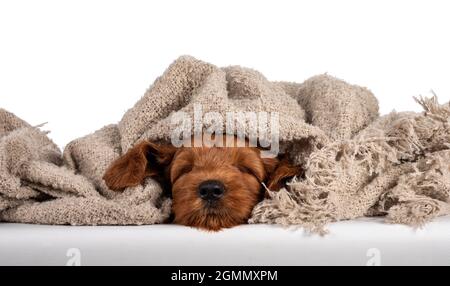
x=356, y=162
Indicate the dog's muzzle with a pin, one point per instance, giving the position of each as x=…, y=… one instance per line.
x=211, y=190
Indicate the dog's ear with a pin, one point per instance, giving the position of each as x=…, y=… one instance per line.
x=278, y=171
x=146, y=159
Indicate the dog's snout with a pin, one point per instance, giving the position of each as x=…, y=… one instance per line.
x=211, y=190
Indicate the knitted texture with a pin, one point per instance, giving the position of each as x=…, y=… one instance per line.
x=356, y=163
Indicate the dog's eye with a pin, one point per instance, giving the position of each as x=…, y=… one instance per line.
x=244, y=169
x=179, y=170
x=252, y=168
x=248, y=170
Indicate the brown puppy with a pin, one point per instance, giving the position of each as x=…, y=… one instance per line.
x=212, y=187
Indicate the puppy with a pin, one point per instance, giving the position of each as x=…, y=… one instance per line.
x=212, y=187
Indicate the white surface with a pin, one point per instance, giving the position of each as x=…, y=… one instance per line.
x=361, y=242
x=79, y=65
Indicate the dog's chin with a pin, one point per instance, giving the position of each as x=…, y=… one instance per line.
x=210, y=218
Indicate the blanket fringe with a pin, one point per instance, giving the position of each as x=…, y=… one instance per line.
x=334, y=183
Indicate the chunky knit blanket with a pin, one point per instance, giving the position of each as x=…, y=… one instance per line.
x=356, y=163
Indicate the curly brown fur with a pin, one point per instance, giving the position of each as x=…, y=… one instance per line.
x=241, y=170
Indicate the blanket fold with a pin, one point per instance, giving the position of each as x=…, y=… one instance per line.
x=356, y=163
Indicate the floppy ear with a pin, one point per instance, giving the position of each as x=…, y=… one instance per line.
x=146, y=159
x=278, y=171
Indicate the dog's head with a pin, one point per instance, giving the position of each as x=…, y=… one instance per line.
x=212, y=187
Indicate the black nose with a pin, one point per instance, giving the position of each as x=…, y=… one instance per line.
x=211, y=190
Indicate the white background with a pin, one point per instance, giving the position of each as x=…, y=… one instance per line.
x=81, y=64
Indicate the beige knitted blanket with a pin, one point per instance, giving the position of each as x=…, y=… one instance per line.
x=357, y=163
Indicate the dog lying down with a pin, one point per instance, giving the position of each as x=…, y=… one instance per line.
x=356, y=163
x=211, y=187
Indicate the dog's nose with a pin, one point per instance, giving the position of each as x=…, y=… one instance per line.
x=211, y=190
